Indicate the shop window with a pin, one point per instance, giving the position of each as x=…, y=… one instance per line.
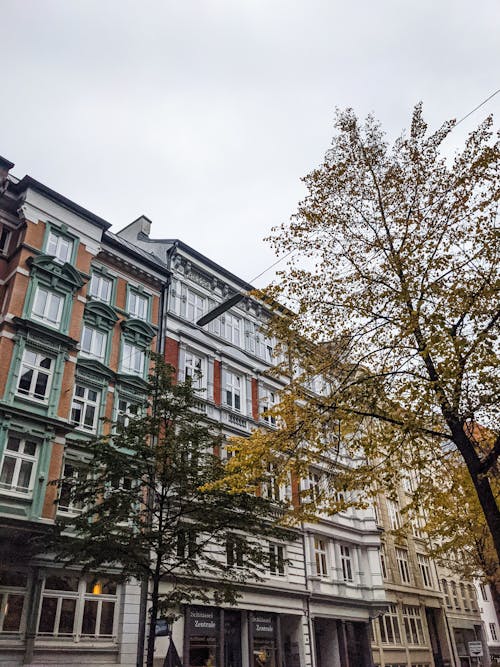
x=346, y=562
x=138, y=305
x=17, y=472
x=425, y=570
x=233, y=390
x=61, y=247
x=93, y=343
x=235, y=550
x=133, y=359
x=85, y=408
x=36, y=375
x=320, y=557
x=413, y=625
x=277, y=560
x=403, y=565
x=78, y=608
x=12, y=595
x=100, y=287
x=47, y=307
x=389, y=626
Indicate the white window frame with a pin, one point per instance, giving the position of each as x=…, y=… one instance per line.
x=390, y=629
x=8, y=591
x=493, y=632
x=83, y=402
x=269, y=399
x=125, y=409
x=414, y=629
x=235, y=556
x=130, y=352
x=95, y=350
x=346, y=562
x=446, y=593
x=454, y=595
x=194, y=368
x=138, y=305
x=43, y=315
x=62, y=246
x=81, y=597
x=98, y=283
x=403, y=565
x=195, y=305
x=394, y=512
x=424, y=565
x=37, y=370
x=21, y=459
x=231, y=328
x=234, y=385
x=76, y=472
x=320, y=553
x=277, y=560
x=472, y=597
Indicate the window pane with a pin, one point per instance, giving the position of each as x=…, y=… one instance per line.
x=7, y=474
x=12, y=619
x=10, y=578
x=56, y=583
x=48, y=615
x=40, y=301
x=42, y=381
x=89, y=617
x=24, y=478
x=107, y=614
x=67, y=617
x=30, y=447
x=13, y=444
x=46, y=362
x=89, y=416
x=25, y=381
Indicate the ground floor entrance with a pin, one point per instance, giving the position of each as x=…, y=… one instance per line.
x=341, y=643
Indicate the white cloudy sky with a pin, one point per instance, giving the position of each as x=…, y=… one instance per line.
x=204, y=114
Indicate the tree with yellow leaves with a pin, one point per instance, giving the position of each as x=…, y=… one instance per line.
x=391, y=345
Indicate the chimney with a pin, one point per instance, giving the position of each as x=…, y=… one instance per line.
x=5, y=167
x=144, y=225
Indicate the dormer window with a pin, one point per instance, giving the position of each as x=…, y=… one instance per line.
x=59, y=246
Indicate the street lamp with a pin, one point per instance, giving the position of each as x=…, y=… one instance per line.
x=221, y=308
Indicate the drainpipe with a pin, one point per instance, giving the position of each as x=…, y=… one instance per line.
x=160, y=347
x=312, y=640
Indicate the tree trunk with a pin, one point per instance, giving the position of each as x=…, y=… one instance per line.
x=481, y=484
x=153, y=615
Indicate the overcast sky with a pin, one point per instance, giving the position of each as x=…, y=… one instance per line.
x=205, y=114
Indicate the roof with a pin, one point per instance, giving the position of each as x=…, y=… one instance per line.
x=135, y=250
x=29, y=182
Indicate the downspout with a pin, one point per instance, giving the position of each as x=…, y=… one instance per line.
x=312, y=640
x=160, y=347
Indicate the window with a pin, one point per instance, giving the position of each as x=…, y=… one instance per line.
x=413, y=624
x=193, y=369
x=395, y=519
x=493, y=632
x=195, y=306
x=137, y=305
x=233, y=390
x=66, y=503
x=389, y=626
x=269, y=399
x=60, y=247
x=313, y=482
x=454, y=594
x=12, y=593
x=18, y=465
x=320, y=557
x=4, y=239
x=231, y=329
x=126, y=409
x=383, y=561
x=446, y=591
x=234, y=552
x=271, y=488
x=93, y=343
x=36, y=375
x=425, y=570
x=472, y=597
x=277, y=560
x=47, y=307
x=404, y=569
x=85, y=408
x=186, y=544
x=484, y=592
x=133, y=359
x=77, y=607
x=346, y=562
x=100, y=287
x=463, y=595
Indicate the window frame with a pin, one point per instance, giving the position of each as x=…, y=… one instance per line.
x=424, y=565
x=61, y=236
x=6, y=591
x=320, y=553
x=94, y=332
x=346, y=562
x=403, y=565
x=277, y=560
x=54, y=324
x=413, y=625
x=195, y=371
x=229, y=375
x=126, y=354
x=86, y=403
x=36, y=370
x=5, y=238
x=21, y=457
x=102, y=277
x=390, y=620
x=140, y=297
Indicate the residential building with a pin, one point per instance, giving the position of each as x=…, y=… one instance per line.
x=78, y=315
x=489, y=617
x=322, y=589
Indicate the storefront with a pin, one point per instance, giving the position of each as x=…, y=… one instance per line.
x=214, y=636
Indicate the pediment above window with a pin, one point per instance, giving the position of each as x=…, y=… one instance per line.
x=54, y=274
x=92, y=371
x=100, y=315
x=138, y=331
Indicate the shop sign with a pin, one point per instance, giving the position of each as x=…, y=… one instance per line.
x=475, y=649
x=203, y=622
x=263, y=625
